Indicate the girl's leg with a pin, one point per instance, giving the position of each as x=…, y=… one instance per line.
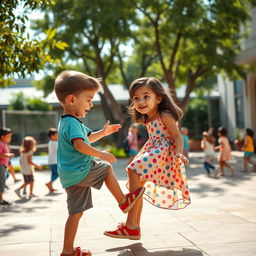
x=229, y=166
x=140, y=207
x=133, y=218
x=70, y=232
x=114, y=187
x=23, y=186
x=221, y=168
x=31, y=187
x=206, y=166
x=253, y=163
x=246, y=164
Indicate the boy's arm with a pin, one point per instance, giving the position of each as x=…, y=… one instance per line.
x=107, y=130
x=86, y=149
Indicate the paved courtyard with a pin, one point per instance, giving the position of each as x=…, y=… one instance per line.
x=220, y=221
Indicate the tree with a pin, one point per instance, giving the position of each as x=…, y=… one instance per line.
x=93, y=32
x=18, y=53
x=21, y=102
x=195, y=39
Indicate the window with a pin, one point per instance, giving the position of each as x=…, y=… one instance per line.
x=239, y=103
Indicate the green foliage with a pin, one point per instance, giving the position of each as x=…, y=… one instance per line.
x=181, y=42
x=18, y=53
x=21, y=102
x=118, y=152
x=195, y=118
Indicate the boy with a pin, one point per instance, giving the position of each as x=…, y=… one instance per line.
x=77, y=168
x=5, y=155
x=52, y=157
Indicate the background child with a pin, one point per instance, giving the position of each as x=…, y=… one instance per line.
x=5, y=155
x=77, y=167
x=159, y=164
x=207, y=146
x=184, y=133
x=28, y=147
x=52, y=156
x=225, y=151
x=248, y=149
x=133, y=141
x=11, y=170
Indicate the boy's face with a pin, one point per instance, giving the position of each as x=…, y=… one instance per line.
x=6, y=138
x=79, y=105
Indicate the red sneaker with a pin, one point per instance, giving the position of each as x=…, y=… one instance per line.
x=131, y=199
x=124, y=232
x=78, y=252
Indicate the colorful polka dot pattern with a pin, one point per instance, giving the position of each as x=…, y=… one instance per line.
x=165, y=176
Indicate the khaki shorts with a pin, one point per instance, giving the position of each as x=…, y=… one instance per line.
x=2, y=177
x=79, y=196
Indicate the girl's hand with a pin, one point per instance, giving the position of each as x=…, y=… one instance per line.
x=182, y=158
x=109, y=129
x=39, y=166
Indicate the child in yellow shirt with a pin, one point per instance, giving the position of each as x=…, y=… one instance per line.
x=248, y=149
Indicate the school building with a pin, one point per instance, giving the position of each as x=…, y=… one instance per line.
x=238, y=98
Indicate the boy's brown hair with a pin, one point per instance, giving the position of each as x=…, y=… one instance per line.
x=71, y=82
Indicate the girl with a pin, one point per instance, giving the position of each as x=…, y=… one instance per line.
x=225, y=151
x=248, y=149
x=133, y=141
x=207, y=146
x=27, y=165
x=5, y=155
x=160, y=163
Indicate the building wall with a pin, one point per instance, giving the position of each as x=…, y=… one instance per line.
x=228, y=112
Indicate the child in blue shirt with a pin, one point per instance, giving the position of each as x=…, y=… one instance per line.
x=77, y=167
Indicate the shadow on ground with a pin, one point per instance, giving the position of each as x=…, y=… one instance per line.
x=138, y=249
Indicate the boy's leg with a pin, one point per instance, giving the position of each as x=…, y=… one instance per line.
x=114, y=187
x=70, y=232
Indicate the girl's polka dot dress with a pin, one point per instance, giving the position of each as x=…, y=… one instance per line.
x=165, y=175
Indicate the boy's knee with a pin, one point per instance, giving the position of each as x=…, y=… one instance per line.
x=76, y=215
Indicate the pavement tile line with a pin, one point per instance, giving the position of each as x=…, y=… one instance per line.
x=193, y=243
x=220, y=221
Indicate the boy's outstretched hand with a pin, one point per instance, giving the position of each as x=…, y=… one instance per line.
x=110, y=128
x=108, y=157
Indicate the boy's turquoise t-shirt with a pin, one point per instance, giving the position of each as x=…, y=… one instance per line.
x=73, y=166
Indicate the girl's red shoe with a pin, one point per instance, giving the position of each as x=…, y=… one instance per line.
x=78, y=252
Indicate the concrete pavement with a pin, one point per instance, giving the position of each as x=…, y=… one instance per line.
x=221, y=219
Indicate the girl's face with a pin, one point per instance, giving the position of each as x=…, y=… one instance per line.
x=6, y=138
x=146, y=101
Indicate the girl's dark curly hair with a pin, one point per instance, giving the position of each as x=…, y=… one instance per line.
x=167, y=102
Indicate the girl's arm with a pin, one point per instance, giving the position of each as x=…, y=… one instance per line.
x=107, y=130
x=172, y=128
x=220, y=146
x=30, y=161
